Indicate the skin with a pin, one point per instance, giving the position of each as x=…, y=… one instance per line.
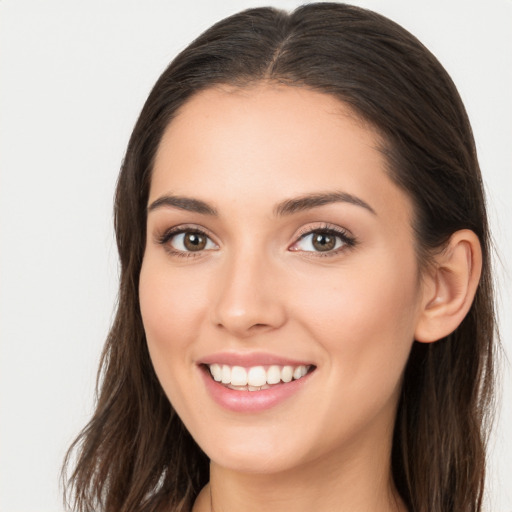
x=259, y=287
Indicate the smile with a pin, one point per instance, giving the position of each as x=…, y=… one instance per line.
x=255, y=378
x=253, y=383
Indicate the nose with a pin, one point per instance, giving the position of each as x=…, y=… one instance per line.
x=247, y=297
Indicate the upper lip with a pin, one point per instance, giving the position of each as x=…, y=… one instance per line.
x=248, y=359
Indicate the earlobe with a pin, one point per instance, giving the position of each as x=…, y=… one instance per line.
x=450, y=287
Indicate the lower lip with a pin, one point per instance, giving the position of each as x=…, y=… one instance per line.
x=251, y=401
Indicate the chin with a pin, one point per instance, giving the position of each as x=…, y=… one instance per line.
x=252, y=452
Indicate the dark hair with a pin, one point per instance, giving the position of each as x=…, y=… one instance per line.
x=135, y=454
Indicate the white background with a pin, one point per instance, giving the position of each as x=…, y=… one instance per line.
x=73, y=78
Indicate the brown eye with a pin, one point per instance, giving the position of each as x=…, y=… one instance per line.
x=323, y=241
x=188, y=241
x=194, y=241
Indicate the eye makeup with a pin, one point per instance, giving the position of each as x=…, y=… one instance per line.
x=194, y=241
x=317, y=241
x=327, y=239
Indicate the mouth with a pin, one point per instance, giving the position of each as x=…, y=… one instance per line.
x=256, y=378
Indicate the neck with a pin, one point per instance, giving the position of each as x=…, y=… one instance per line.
x=343, y=483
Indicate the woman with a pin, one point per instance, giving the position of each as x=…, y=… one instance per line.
x=305, y=315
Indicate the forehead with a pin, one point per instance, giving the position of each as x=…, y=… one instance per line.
x=268, y=142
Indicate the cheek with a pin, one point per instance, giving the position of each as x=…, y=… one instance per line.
x=363, y=317
x=364, y=322
x=171, y=308
x=169, y=302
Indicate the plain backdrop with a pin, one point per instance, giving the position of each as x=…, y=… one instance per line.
x=73, y=78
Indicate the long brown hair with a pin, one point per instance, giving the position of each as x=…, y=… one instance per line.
x=135, y=454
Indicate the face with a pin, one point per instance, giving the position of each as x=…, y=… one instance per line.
x=279, y=287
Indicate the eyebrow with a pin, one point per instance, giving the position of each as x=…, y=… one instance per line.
x=183, y=203
x=306, y=202
x=287, y=207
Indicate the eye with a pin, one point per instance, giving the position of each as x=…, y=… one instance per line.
x=323, y=240
x=182, y=240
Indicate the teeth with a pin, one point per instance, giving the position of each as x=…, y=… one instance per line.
x=255, y=378
x=216, y=372
x=287, y=374
x=274, y=375
x=238, y=376
x=226, y=374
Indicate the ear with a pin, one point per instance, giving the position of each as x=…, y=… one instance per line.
x=450, y=287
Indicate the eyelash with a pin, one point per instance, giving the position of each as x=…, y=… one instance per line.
x=348, y=241
x=178, y=230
